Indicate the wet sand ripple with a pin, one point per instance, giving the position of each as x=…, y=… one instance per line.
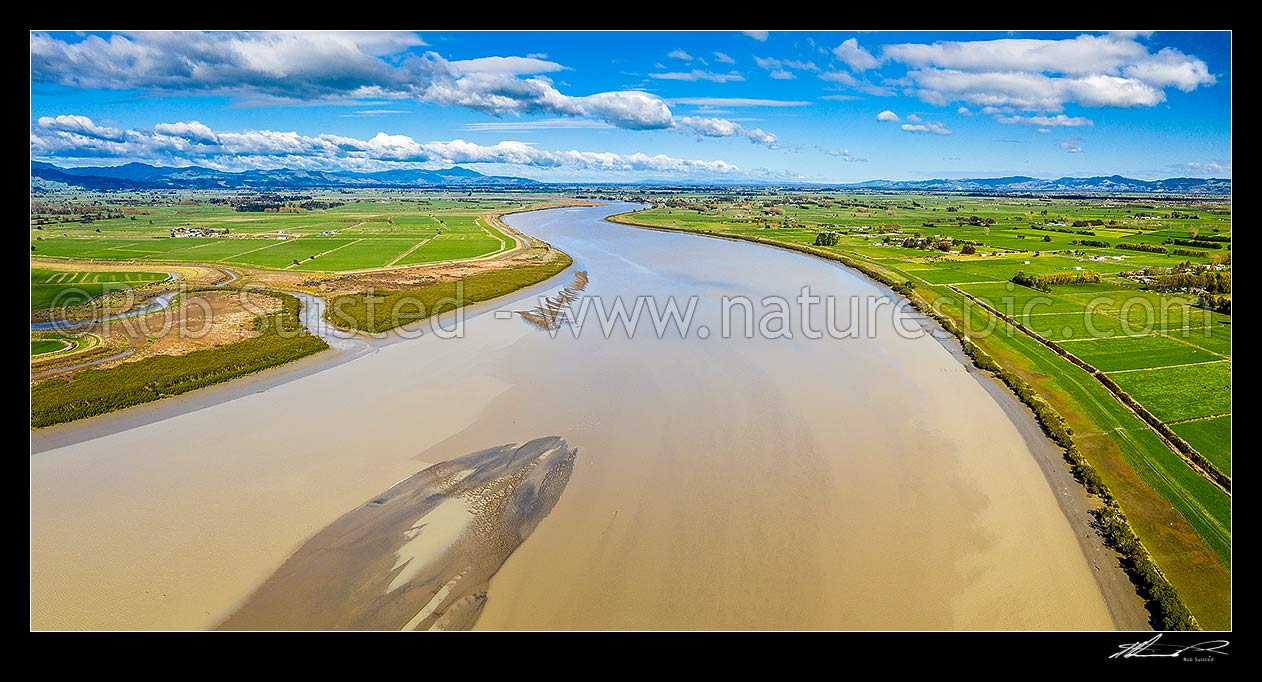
x=553, y=312
x=418, y=556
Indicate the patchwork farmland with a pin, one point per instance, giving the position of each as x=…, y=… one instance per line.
x=334, y=237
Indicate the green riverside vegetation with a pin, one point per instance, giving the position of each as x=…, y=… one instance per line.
x=380, y=312
x=96, y=391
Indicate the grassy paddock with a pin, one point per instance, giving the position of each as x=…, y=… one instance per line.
x=64, y=288
x=381, y=311
x=42, y=346
x=1211, y=436
x=364, y=232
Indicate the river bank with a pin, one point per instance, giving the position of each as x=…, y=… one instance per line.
x=869, y=483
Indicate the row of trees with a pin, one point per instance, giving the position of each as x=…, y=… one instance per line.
x=1210, y=281
x=1066, y=230
x=1191, y=252
x=1092, y=242
x=826, y=239
x=1074, y=277
x=1045, y=281
x=1025, y=280
x=1218, y=304
x=1197, y=243
x=927, y=244
x=1150, y=248
x=317, y=205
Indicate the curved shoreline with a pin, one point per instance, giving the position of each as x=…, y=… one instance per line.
x=1126, y=606
x=343, y=347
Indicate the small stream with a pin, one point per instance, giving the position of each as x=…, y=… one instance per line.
x=160, y=302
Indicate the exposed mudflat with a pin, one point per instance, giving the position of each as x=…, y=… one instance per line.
x=420, y=555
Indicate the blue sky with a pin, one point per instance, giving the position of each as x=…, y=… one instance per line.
x=585, y=106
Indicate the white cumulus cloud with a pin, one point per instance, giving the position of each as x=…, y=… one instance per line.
x=78, y=137
x=927, y=127
x=515, y=66
x=79, y=125
x=1057, y=121
x=845, y=155
x=698, y=75
x=193, y=131
x=887, y=115
x=722, y=127
x=1071, y=146
x=840, y=77
x=739, y=102
x=773, y=64
x=275, y=67
x=857, y=58
x=1170, y=67
x=1112, y=70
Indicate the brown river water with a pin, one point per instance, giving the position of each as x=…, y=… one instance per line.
x=854, y=483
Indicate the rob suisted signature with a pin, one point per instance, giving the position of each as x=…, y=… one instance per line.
x=1154, y=649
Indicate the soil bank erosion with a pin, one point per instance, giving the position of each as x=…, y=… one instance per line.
x=858, y=483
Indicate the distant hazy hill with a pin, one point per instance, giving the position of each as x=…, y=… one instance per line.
x=138, y=176
x=144, y=176
x=1022, y=184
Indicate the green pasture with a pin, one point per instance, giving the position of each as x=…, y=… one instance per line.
x=42, y=346
x=62, y=288
x=1177, y=393
x=358, y=235
x=1211, y=437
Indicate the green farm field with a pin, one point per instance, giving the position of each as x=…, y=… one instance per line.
x=61, y=288
x=1211, y=435
x=356, y=235
x=41, y=346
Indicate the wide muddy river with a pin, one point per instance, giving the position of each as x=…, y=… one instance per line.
x=855, y=483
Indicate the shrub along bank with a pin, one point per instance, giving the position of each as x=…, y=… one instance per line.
x=379, y=312
x=96, y=391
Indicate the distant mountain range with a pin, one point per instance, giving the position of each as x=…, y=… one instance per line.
x=139, y=176
x=1021, y=184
